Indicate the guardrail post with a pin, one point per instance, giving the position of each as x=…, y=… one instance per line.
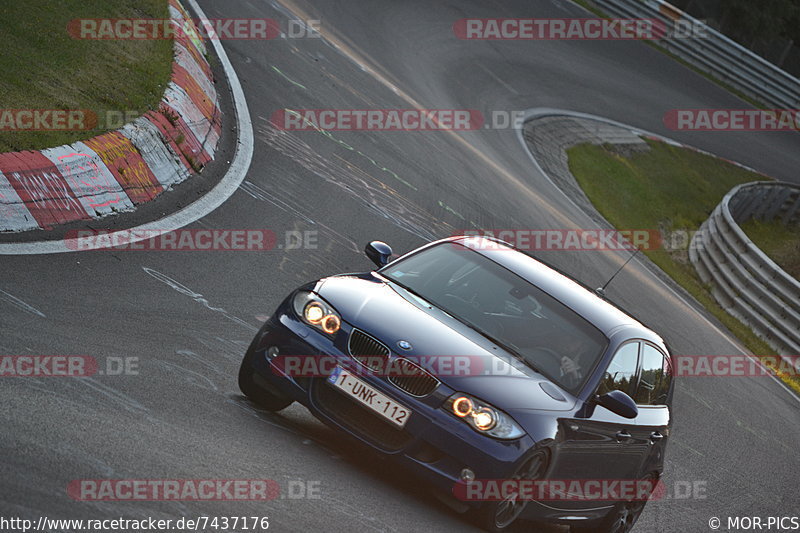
x=745, y=282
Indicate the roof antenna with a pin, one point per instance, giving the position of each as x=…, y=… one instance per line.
x=601, y=291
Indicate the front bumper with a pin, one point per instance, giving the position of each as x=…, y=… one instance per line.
x=434, y=444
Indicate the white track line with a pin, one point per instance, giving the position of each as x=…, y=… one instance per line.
x=197, y=209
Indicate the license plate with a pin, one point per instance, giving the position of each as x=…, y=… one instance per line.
x=370, y=397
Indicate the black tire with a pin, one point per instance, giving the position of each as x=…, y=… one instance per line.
x=266, y=399
x=620, y=519
x=497, y=517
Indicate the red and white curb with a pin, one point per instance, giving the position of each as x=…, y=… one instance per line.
x=224, y=189
x=121, y=169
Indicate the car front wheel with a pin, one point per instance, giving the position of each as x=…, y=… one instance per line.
x=498, y=516
x=622, y=517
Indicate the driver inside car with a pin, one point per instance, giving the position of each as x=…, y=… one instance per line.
x=571, y=369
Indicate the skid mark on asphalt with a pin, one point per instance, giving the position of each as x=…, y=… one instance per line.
x=696, y=398
x=230, y=349
x=367, y=65
x=71, y=453
x=496, y=78
x=378, y=197
x=309, y=266
x=243, y=404
x=197, y=297
x=19, y=304
x=683, y=445
x=325, y=257
x=188, y=376
x=237, y=348
x=39, y=385
x=63, y=391
x=765, y=436
x=200, y=360
x=313, y=433
x=287, y=78
x=283, y=198
x=357, y=511
x=128, y=403
x=453, y=211
x=330, y=136
x=327, y=238
x=723, y=410
x=260, y=194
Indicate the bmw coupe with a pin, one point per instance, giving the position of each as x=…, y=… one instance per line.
x=557, y=383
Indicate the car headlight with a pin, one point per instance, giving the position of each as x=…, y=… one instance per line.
x=483, y=417
x=316, y=312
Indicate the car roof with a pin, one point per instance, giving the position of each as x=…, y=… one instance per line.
x=605, y=316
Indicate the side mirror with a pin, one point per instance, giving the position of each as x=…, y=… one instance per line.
x=619, y=403
x=379, y=252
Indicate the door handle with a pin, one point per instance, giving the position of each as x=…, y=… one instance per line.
x=622, y=435
x=655, y=436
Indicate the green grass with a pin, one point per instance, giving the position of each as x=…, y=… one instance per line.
x=44, y=68
x=780, y=243
x=671, y=189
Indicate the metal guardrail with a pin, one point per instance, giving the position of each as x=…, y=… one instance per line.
x=714, y=53
x=747, y=283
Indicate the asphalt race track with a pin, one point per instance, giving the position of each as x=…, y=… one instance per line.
x=188, y=316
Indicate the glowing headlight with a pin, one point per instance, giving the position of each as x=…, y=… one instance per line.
x=462, y=407
x=331, y=324
x=314, y=311
x=483, y=418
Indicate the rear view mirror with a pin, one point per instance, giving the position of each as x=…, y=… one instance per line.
x=619, y=403
x=379, y=252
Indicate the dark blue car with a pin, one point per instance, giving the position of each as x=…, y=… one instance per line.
x=470, y=361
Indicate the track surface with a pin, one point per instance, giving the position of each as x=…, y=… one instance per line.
x=188, y=316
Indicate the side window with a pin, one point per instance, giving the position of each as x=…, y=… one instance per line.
x=656, y=377
x=622, y=370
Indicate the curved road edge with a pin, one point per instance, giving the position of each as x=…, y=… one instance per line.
x=216, y=197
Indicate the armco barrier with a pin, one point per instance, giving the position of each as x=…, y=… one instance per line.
x=714, y=53
x=747, y=283
x=120, y=169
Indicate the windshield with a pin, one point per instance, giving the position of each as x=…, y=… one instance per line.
x=507, y=309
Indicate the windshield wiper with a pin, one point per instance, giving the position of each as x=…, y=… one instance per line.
x=410, y=290
x=518, y=356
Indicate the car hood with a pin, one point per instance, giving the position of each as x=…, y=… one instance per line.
x=467, y=362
